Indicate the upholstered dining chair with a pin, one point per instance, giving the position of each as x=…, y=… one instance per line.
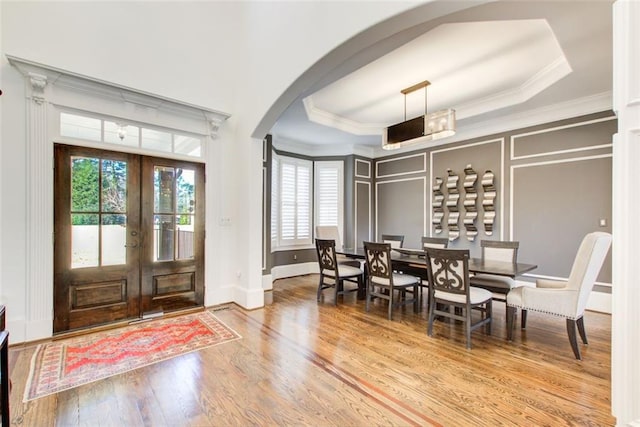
x=332, y=274
x=494, y=250
x=564, y=299
x=395, y=240
x=448, y=272
x=383, y=282
x=435, y=242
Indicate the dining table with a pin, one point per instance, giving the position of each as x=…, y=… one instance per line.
x=413, y=261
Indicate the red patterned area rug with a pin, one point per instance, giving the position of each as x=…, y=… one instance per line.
x=61, y=365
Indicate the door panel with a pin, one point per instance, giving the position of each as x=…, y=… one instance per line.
x=96, y=224
x=172, y=262
x=129, y=236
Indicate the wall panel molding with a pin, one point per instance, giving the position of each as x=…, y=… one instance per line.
x=500, y=141
x=535, y=164
x=422, y=169
x=356, y=237
x=424, y=203
x=514, y=140
x=368, y=165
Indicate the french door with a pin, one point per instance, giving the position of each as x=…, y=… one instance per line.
x=128, y=236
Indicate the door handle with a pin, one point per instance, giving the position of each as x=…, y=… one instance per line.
x=133, y=245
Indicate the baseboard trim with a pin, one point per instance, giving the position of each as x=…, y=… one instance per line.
x=267, y=282
x=291, y=270
x=599, y=301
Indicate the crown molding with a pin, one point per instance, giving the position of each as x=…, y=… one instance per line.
x=304, y=149
x=543, y=79
x=44, y=78
x=549, y=75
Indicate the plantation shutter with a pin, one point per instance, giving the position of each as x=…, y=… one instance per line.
x=295, y=201
x=329, y=194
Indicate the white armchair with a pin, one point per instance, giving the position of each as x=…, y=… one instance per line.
x=564, y=299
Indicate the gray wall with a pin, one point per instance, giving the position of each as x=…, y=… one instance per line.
x=553, y=185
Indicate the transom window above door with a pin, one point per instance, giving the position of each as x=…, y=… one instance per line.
x=123, y=134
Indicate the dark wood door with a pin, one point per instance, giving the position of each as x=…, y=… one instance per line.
x=172, y=261
x=129, y=236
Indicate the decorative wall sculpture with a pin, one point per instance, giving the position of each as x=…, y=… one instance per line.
x=438, y=211
x=488, y=201
x=469, y=203
x=452, y=205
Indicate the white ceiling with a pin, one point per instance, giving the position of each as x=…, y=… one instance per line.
x=517, y=59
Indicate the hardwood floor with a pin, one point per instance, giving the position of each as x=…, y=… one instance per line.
x=306, y=363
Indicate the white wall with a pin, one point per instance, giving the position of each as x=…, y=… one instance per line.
x=237, y=57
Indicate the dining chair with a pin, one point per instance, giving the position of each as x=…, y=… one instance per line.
x=330, y=232
x=564, y=299
x=435, y=242
x=431, y=242
x=494, y=250
x=449, y=286
x=383, y=282
x=332, y=274
x=395, y=240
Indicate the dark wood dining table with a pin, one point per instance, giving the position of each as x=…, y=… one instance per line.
x=412, y=261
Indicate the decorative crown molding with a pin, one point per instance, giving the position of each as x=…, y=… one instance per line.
x=214, y=124
x=38, y=83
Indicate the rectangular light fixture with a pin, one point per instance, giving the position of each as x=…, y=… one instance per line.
x=428, y=127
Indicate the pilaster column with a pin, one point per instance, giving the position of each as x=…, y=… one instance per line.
x=625, y=370
x=39, y=232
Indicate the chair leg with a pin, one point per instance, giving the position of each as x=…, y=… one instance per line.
x=320, y=287
x=416, y=300
x=361, y=289
x=390, y=308
x=467, y=325
x=583, y=334
x=523, y=324
x=338, y=284
x=489, y=315
x=431, y=317
x=367, y=296
x=511, y=318
x=573, y=339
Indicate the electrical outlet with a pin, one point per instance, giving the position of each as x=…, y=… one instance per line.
x=603, y=222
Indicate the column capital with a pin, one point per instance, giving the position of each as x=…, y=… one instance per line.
x=38, y=83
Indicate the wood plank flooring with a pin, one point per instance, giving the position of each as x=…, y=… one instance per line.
x=306, y=363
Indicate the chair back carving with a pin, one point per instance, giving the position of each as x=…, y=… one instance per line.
x=395, y=240
x=435, y=242
x=586, y=266
x=326, y=250
x=448, y=270
x=497, y=250
x=378, y=259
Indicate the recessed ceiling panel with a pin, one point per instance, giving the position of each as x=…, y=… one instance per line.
x=473, y=67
